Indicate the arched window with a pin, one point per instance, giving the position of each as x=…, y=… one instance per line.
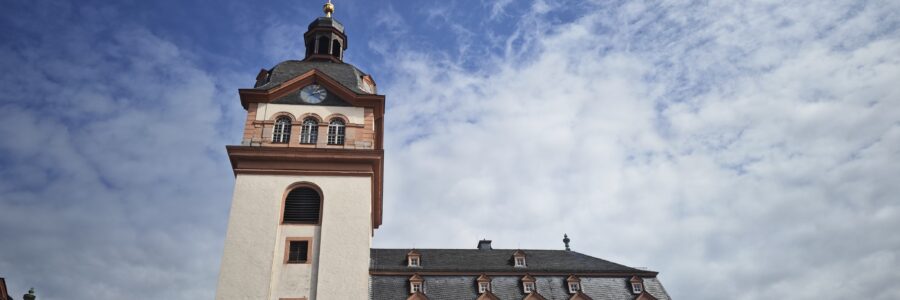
x=302, y=206
x=336, y=132
x=336, y=48
x=323, y=46
x=282, y=132
x=310, y=131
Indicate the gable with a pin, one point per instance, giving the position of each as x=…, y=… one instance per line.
x=293, y=97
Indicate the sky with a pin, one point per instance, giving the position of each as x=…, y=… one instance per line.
x=743, y=149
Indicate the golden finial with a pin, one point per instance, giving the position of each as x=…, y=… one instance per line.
x=328, y=9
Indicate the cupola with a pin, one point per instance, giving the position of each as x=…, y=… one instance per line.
x=325, y=39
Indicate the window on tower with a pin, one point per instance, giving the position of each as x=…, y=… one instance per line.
x=309, y=133
x=302, y=206
x=282, y=132
x=298, y=252
x=336, y=132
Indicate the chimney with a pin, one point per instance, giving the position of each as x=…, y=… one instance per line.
x=484, y=245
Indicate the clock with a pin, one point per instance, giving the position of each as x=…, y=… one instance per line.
x=313, y=94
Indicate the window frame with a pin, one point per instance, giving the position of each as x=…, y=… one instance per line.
x=484, y=287
x=309, y=131
x=282, y=136
x=287, y=250
x=416, y=287
x=526, y=285
x=637, y=287
x=517, y=259
x=414, y=261
x=337, y=132
x=574, y=287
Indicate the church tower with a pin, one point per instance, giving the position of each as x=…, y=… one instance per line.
x=308, y=177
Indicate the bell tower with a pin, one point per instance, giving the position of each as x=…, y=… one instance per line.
x=308, y=177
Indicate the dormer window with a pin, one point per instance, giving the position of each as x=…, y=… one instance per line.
x=483, y=287
x=520, y=262
x=528, y=287
x=413, y=259
x=416, y=284
x=637, y=285
x=574, y=284
x=484, y=284
x=519, y=259
x=637, y=288
x=528, y=284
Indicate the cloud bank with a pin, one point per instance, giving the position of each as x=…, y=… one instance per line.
x=745, y=150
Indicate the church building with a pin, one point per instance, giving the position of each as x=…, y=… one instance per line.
x=308, y=199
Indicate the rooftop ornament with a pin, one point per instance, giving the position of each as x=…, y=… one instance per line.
x=328, y=9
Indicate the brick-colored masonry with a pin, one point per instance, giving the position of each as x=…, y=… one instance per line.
x=357, y=136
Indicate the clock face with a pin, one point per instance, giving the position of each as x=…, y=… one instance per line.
x=313, y=94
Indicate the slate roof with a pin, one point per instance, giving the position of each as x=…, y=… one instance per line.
x=346, y=74
x=326, y=22
x=510, y=287
x=496, y=260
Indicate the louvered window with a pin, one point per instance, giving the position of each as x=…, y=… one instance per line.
x=336, y=132
x=298, y=252
x=302, y=206
x=310, y=131
x=282, y=132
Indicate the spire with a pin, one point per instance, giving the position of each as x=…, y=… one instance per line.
x=328, y=9
x=566, y=241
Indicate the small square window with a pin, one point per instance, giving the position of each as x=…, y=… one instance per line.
x=574, y=287
x=529, y=287
x=637, y=288
x=413, y=261
x=298, y=252
x=415, y=287
x=483, y=287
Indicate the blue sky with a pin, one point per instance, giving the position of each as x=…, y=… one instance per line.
x=745, y=150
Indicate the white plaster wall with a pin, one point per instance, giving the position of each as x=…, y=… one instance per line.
x=253, y=262
x=266, y=111
x=345, y=242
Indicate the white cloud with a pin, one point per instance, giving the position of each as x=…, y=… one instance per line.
x=113, y=172
x=755, y=142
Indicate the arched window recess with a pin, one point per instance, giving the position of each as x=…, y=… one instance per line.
x=302, y=205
